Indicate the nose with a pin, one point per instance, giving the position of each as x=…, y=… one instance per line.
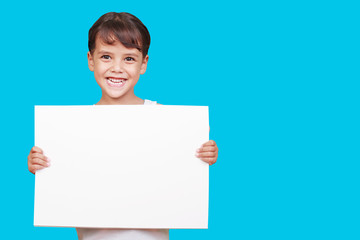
x=117, y=67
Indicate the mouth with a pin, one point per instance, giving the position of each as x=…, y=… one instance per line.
x=115, y=82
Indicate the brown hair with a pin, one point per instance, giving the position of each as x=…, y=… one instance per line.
x=123, y=27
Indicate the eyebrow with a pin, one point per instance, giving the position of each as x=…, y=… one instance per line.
x=104, y=52
x=128, y=54
x=132, y=54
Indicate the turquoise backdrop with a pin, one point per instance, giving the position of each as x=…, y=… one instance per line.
x=281, y=79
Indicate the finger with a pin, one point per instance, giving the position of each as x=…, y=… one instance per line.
x=206, y=149
x=209, y=143
x=36, y=149
x=35, y=168
x=210, y=161
x=39, y=155
x=206, y=154
x=39, y=161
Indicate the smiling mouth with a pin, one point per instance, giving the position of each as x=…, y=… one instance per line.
x=115, y=82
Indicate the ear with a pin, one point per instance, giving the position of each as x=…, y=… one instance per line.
x=144, y=64
x=90, y=61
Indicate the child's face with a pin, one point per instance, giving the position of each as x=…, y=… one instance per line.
x=117, y=70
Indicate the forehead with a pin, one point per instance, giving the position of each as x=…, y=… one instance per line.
x=115, y=47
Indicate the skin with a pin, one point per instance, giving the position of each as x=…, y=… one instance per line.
x=118, y=62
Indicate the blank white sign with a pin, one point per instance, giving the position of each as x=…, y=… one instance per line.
x=117, y=166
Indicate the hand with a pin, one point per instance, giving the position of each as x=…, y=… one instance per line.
x=37, y=160
x=208, y=152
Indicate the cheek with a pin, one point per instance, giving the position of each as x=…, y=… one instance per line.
x=134, y=71
x=100, y=70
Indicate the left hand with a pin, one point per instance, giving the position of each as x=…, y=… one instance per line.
x=208, y=152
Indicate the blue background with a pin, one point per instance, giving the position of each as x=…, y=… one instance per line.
x=282, y=82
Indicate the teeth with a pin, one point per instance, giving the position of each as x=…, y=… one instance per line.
x=116, y=80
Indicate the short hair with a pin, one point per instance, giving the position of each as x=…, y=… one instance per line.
x=123, y=27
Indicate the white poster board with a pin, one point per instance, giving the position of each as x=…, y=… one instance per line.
x=130, y=166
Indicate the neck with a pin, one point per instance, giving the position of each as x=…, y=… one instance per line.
x=133, y=100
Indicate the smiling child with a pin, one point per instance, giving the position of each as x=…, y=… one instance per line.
x=118, y=46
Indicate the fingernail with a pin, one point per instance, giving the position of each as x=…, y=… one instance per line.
x=198, y=150
x=197, y=155
x=48, y=164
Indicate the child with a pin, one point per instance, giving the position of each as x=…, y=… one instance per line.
x=118, y=46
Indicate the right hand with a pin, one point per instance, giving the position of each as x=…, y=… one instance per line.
x=37, y=160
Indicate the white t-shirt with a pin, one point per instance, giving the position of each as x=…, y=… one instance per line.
x=123, y=234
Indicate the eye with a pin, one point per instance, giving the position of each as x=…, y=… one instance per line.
x=107, y=57
x=129, y=59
